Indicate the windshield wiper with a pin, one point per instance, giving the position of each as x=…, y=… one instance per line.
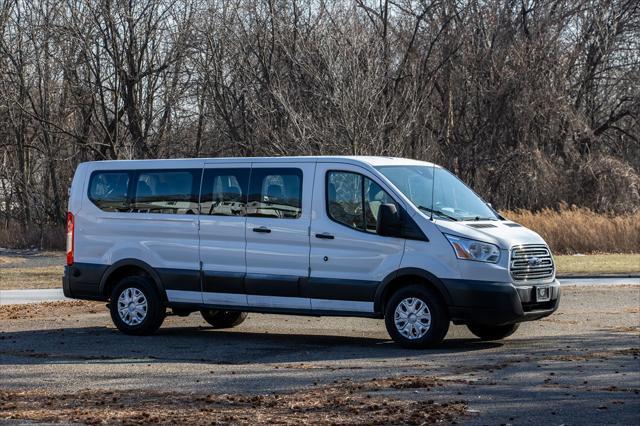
x=438, y=212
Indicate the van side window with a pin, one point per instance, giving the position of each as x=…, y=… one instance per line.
x=354, y=200
x=109, y=190
x=374, y=197
x=166, y=191
x=275, y=193
x=344, y=199
x=224, y=192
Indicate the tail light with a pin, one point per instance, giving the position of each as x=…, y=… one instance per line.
x=69, y=238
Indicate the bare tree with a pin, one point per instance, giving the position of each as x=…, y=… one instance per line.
x=533, y=103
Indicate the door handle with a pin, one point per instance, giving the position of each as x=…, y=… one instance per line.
x=262, y=229
x=325, y=236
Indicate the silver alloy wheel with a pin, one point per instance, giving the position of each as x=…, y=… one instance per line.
x=412, y=318
x=132, y=306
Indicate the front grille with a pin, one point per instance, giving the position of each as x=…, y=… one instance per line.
x=531, y=262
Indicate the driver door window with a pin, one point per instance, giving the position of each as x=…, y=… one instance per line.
x=374, y=197
x=354, y=200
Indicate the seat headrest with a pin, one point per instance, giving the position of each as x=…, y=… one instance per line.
x=274, y=191
x=143, y=189
x=233, y=193
x=333, y=193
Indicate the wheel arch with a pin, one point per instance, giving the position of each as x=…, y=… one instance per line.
x=125, y=267
x=407, y=276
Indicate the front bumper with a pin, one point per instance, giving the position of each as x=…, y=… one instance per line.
x=490, y=303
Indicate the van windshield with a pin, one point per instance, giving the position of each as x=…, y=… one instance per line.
x=451, y=200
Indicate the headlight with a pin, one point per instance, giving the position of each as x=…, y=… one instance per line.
x=474, y=250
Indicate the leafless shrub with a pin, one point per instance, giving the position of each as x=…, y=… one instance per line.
x=44, y=237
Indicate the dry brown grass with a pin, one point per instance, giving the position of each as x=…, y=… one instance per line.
x=580, y=230
x=30, y=277
x=598, y=264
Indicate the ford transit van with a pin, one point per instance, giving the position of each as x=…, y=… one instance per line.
x=390, y=238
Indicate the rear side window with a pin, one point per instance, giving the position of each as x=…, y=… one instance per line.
x=224, y=192
x=166, y=191
x=109, y=190
x=354, y=200
x=275, y=193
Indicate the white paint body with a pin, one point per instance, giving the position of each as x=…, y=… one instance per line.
x=227, y=244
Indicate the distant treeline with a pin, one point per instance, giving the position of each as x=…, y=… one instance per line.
x=531, y=102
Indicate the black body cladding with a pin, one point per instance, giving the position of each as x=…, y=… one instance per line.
x=468, y=301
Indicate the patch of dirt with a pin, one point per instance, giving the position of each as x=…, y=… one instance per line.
x=346, y=402
x=634, y=352
x=53, y=356
x=559, y=321
x=6, y=260
x=634, y=329
x=635, y=391
x=307, y=366
x=50, y=309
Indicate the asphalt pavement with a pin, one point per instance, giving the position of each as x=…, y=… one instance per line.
x=15, y=297
x=578, y=366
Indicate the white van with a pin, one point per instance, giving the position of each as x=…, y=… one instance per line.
x=376, y=237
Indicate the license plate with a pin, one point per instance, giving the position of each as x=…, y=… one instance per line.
x=543, y=294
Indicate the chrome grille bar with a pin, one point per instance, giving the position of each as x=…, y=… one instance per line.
x=531, y=262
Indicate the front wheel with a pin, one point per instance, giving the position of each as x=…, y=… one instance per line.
x=493, y=332
x=415, y=317
x=223, y=319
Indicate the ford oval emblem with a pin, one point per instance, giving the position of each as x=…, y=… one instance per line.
x=534, y=261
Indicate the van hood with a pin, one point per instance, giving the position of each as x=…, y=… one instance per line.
x=503, y=233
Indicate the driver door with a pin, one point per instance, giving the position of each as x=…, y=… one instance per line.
x=348, y=259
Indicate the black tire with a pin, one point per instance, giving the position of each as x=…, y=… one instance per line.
x=438, y=325
x=223, y=319
x=492, y=332
x=155, y=310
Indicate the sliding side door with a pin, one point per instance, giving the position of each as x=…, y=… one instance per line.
x=223, y=206
x=278, y=220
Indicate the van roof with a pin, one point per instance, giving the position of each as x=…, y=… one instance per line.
x=353, y=159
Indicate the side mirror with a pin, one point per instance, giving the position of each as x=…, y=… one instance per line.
x=388, y=223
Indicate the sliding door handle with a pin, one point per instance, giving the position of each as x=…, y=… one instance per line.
x=262, y=229
x=325, y=236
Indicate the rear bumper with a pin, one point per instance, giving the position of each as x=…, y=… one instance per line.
x=490, y=303
x=82, y=281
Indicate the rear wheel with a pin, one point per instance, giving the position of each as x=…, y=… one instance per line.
x=135, y=306
x=493, y=332
x=223, y=319
x=415, y=317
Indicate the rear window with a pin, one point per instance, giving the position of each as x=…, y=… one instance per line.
x=109, y=190
x=275, y=193
x=146, y=191
x=224, y=192
x=166, y=191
